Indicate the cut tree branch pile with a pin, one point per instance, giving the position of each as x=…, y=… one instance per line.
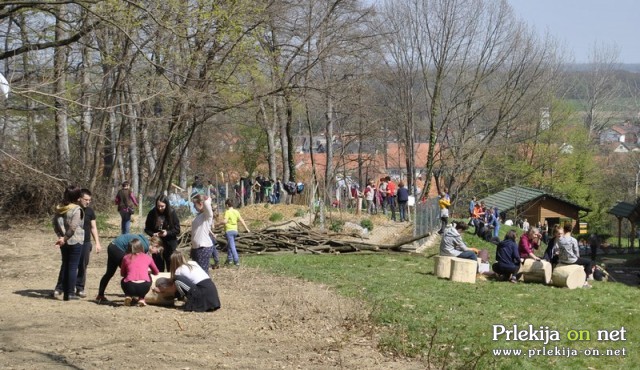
x=299, y=238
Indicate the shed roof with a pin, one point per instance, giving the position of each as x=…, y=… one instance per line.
x=623, y=209
x=509, y=198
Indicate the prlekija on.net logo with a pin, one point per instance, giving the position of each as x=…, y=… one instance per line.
x=545, y=334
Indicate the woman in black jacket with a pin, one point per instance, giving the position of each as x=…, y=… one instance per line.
x=163, y=221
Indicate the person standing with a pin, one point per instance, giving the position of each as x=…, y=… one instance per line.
x=525, y=225
x=472, y=205
x=67, y=224
x=90, y=229
x=545, y=232
x=444, y=203
x=369, y=193
x=201, y=242
x=496, y=222
x=116, y=252
x=134, y=270
x=162, y=220
x=392, y=188
x=382, y=190
x=403, y=200
x=231, y=218
x=126, y=201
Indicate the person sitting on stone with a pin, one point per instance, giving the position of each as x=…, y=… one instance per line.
x=452, y=244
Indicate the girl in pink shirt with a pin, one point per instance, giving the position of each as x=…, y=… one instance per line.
x=134, y=269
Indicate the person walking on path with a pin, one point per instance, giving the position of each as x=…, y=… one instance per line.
x=126, y=201
x=231, y=218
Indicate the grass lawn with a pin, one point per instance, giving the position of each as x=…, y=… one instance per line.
x=453, y=323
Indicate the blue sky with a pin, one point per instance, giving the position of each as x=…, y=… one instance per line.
x=578, y=24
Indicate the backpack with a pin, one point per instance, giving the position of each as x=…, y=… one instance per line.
x=299, y=188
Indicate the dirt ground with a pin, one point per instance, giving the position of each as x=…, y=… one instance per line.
x=266, y=322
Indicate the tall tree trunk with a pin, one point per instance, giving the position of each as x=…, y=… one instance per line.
x=86, y=117
x=285, y=142
x=328, y=175
x=270, y=127
x=62, y=130
x=134, y=158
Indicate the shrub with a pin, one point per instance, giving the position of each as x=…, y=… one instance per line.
x=299, y=213
x=276, y=216
x=336, y=226
x=367, y=224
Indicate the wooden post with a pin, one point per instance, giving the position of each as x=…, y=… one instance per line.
x=619, y=231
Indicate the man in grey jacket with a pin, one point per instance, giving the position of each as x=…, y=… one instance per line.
x=452, y=244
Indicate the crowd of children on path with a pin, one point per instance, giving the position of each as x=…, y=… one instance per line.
x=138, y=256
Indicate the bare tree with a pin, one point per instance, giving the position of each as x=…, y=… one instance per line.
x=600, y=87
x=477, y=67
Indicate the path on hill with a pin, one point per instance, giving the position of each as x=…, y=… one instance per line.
x=266, y=322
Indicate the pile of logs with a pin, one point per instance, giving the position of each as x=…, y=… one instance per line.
x=298, y=238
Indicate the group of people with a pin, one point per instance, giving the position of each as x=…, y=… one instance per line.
x=385, y=195
x=562, y=249
x=140, y=255
x=485, y=219
x=261, y=189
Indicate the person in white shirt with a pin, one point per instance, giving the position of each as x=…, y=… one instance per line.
x=369, y=192
x=194, y=284
x=201, y=242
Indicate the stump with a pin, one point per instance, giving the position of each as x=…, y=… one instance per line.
x=570, y=276
x=442, y=266
x=536, y=271
x=159, y=299
x=464, y=270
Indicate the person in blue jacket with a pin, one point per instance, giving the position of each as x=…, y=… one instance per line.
x=507, y=257
x=116, y=252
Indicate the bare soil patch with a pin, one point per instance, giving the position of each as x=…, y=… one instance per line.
x=266, y=321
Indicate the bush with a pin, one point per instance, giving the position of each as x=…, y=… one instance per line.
x=367, y=224
x=336, y=226
x=299, y=213
x=276, y=216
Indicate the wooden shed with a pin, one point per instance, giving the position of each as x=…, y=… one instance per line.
x=536, y=206
x=629, y=211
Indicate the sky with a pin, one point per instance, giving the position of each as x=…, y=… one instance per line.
x=579, y=24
